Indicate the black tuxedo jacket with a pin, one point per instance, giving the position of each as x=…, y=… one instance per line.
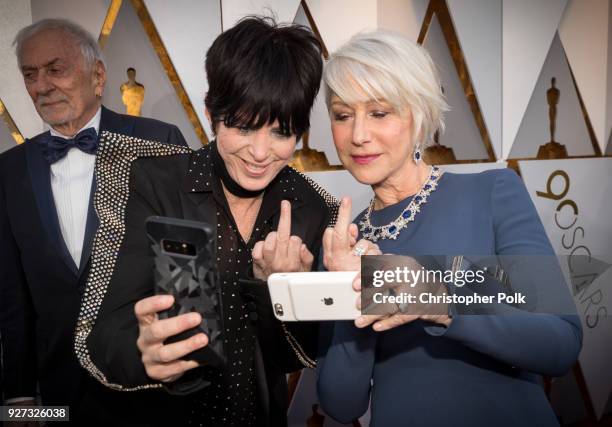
x=156, y=180
x=40, y=285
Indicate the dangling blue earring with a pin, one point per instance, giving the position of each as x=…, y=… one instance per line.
x=416, y=155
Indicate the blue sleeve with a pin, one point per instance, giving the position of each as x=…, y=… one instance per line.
x=546, y=344
x=344, y=369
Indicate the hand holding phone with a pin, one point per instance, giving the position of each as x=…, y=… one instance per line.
x=164, y=362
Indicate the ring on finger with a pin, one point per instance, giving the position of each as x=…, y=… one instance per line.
x=359, y=251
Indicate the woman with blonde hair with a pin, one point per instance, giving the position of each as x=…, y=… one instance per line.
x=385, y=104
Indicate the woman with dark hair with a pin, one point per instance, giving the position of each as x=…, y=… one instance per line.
x=267, y=217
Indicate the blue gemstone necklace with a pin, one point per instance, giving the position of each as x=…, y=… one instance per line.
x=393, y=229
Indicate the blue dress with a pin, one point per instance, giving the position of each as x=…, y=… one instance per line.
x=482, y=369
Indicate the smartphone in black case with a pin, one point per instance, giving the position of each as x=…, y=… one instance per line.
x=184, y=255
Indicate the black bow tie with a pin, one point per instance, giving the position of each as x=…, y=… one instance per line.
x=55, y=147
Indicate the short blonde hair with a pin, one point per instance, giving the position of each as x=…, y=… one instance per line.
x=382, y=65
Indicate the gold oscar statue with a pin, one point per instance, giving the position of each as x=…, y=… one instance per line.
x=438, y=154
x=132, y=94
x=553, y=149
x=308, y=160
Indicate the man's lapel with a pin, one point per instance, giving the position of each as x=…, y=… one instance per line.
x=40, y=175
x=116, y=123
x=91, y=226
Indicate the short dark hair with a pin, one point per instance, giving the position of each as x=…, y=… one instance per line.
x=259, y=72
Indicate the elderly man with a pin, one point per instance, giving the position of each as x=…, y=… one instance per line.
x=47, y=221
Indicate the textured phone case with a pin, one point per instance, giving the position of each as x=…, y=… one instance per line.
x=193, y=281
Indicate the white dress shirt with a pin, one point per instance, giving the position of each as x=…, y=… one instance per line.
x=71, y=179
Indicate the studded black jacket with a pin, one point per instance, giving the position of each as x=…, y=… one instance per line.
x=137, y=179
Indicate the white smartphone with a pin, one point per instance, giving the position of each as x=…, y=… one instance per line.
x=324, y=295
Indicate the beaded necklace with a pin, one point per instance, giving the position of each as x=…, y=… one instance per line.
x=393, y=229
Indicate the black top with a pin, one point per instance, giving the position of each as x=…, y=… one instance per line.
x=138, y=179
x=231, y=398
